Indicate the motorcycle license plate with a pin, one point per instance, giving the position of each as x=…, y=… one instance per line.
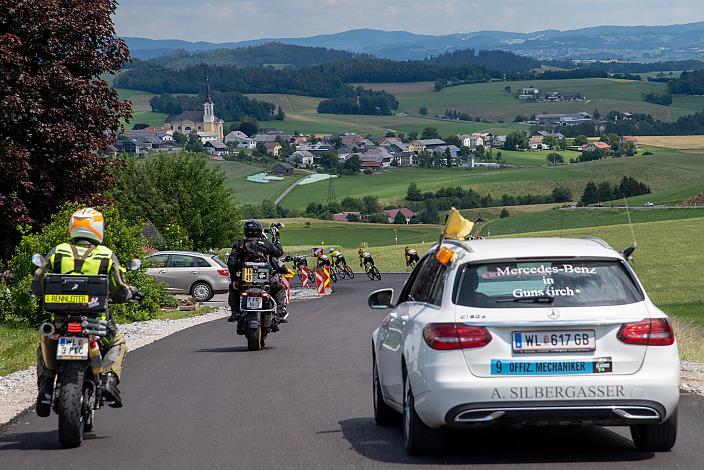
x=254, y=302
x=72, y=348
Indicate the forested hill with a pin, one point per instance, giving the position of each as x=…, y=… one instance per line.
x=503, y=61
x=273, y=54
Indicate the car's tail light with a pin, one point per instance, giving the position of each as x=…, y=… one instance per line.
x=647, y=332
x=445, y=336
x=224, y=272
x=244, y=294
x=74, y=328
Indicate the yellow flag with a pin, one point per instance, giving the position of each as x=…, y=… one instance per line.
x=457, y=227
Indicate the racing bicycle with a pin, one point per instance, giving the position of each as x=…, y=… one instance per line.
x=372, y=271
x=343, y=271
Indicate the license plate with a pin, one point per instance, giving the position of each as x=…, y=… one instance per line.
x=598, y=365
x=254, y=302
x=65, y=299
x=72, y=348
x=553, y=341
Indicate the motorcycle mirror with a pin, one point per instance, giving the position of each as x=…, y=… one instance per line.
x=135, y=264
x=38, y=260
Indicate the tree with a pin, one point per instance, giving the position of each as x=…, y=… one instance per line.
x=194, y=144
x=448, y=156
x=516, y=140
x=268, y=209
x=504, y=213
x=555, y=158
x=248, y=126
x=423, y=111
x=430, y=213
x=353, y=218
x=550, y=141
x=55, y=111
x=370, y=205
x=179, y=189
x=561, y=194
x=280, y=115
x=350, y=203
x=353, y=164
x=413, y=193
x=590, y=194
x=425, y=159
x=330, y=162
x=580, y=140
x=429, y=133
x=260, y=150
x=413, y=135
x=180, y=138
x=400, y=219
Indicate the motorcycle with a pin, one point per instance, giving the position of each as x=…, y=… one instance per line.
x=257, y=307
x=79, y=308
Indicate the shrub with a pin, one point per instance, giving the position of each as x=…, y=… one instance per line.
x=647, y=153
x=124, y=239
x=504, y=213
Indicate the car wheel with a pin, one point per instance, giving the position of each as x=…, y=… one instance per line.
x=419, y=439
x=202, y=292
x=384, y=415
x=655, y=437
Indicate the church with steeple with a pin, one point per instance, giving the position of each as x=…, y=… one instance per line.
x=205, y=122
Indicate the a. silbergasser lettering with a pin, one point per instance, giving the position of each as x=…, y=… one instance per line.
x=558, y=392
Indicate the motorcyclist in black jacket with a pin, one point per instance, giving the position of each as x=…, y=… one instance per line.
x=256, y=248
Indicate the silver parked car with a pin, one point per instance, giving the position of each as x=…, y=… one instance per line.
x=184, y=272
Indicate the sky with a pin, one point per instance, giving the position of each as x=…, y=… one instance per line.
x=236, y=20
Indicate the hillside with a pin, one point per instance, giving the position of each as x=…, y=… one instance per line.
x=275, y=55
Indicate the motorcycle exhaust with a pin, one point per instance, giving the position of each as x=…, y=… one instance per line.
x=47, y=329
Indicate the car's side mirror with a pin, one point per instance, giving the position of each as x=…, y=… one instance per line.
x=381, y=299
x=135, y=264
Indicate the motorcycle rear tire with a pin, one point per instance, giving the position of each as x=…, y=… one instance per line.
x=254, y=338
x=70, y=405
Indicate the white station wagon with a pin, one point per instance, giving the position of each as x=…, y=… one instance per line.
x=524, y=331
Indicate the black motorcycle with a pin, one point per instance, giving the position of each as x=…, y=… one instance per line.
x=257, y=307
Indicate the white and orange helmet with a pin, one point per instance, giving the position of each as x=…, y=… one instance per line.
x=87, y=223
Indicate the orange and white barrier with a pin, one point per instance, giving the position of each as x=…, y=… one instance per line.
x=319, y=284
x=286, y=283
x=305, y=277
x=326, y=280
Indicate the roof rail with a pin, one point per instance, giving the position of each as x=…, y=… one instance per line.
x=599, y=241
x=459, y=244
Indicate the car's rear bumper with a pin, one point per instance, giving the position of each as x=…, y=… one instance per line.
x=608, y=413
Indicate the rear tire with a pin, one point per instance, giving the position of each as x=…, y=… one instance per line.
x=419, y=439
x=333, y=276
x=384, y=415
x=655, y=437
x=340, y=272
x=376, y=273
x=370, y=273
x=254, y=338
x=349, y=272
x=70, y=405
x=202, y=292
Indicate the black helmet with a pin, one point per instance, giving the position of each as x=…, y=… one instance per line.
x=252, y=229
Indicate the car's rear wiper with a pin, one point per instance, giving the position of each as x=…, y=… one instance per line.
x=548, y=299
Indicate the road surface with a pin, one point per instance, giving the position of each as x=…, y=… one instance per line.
x=199, y=400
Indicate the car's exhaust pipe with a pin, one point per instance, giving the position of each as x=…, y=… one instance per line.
x=47, y=328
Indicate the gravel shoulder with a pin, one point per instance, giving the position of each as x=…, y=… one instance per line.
x=18, y=390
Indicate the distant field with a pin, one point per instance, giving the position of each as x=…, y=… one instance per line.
x=578, y=218
x=680, y=142
x=673, y=195
x=490, y=101
x=151, y=118
x=246, y=192
x=683, y=105
x=664, y=171
x=138, y=98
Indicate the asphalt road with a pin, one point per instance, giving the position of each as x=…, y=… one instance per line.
x=199, y=400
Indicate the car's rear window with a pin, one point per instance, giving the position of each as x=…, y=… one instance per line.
x=543, y=283
x=219, y=261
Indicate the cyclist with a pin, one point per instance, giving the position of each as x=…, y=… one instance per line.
x=324, y=260
x=299, y=262
x=337, y=258
x=365, y=258
x=411, y=256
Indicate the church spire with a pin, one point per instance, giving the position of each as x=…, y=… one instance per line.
x=208, y=99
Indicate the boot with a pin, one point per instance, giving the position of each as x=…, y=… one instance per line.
x=281, y=315
x=110, y=390
x=45, y=385
x=233, y=317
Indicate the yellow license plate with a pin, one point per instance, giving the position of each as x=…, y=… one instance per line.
x=248, y=275
x=65, y=299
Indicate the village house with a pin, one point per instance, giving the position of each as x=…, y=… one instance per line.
x=304, y=157
x=392, y=213
x=594, y=146
x=473, y=140
x=528, y=93
x=216, y=148
x=243, y=142
x=283, y=169
x=562, y=96
x=273, y=148
x=536, y=143
x=418, y=146
x=374, y=166
x=345, y=216
x=454, y=151
x=630, y=139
